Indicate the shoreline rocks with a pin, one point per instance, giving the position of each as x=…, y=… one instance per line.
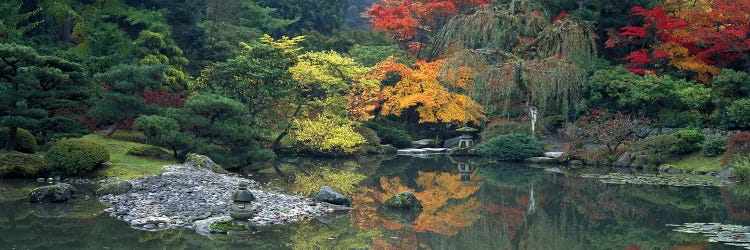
x=185, y=195
x=330, y=195
x=59, y=192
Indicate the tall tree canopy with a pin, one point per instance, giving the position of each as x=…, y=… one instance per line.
x=521, y=56
x=33, y=87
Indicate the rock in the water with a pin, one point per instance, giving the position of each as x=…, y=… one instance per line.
x=422, y=143
x=403, y=200
x=116, y=188
x=542, y=160
x=330, y=195
x=624, y=161
x=52, y=193
x=555, y=155
x=665, y=168
x=725, y=174
x=203, y=162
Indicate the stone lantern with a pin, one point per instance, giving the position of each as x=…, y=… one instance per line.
x=466, y=140
x=241, y=199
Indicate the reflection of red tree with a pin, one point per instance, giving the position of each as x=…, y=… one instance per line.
x=511, y=217
x=690, y=246
x=599, y=201
x=736, y=207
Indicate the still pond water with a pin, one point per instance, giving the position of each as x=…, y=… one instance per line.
x=467, y=205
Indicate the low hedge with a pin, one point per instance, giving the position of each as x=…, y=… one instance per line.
x=75, y=157
x=511, y=147
x=149, y=151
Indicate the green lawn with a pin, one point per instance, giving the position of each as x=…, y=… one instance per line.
x=698, y=161
x=126, y=166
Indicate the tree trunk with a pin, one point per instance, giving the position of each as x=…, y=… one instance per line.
x=11, y=138
x=112, y=128
x=277, y=143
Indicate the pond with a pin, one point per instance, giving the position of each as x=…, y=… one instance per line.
x=468, y=204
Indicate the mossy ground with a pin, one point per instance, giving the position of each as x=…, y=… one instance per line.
x=126, y=166
x=698, y=162
x=17, y=164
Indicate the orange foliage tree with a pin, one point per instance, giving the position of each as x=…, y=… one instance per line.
x=424, y=88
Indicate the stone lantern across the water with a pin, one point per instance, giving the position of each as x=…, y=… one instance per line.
x=241, y=201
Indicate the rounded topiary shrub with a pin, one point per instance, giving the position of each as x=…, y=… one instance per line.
x=511, y=147
x=391, y=135
x=75, y=157
x=739, y=113
x=688, y=141
x=738, y=145
x=658, y=148
x=25, y=141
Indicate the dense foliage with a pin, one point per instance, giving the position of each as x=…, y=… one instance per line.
x=75, y=157
x=307, y=74
x=511, y=147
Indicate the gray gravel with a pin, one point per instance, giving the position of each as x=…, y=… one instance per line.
x=184, y=195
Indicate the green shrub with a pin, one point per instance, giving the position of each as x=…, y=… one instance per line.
x=669, y=118
x=658, y=149
x=739, y=113
x=75, y=157
x=688, y=140
x=742, y=169
x=391, y=135
x=373, y=141
x=715, y=146
x=506, y=128
x=25, y=141
x=149, y=151
x=511, y=147
x=17, y=164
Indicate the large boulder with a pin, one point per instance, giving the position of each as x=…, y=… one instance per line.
x=115, y=188
x=60, y=192
x=204, y=162
x=451, y=143
x=422, y=143
x=542, y=160
x=403, y=200
x=625, y=160
x=330, y=195
x=639, y=161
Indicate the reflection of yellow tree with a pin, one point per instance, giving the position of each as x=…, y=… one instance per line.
x=341, y=180
x=438, y=214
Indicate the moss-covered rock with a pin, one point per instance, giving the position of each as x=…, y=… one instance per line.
x=116, y=188
x=149, y=151
x=403, y=200
x=226, y=226
x=17, y=164
x=204, y=162
x=60, y=192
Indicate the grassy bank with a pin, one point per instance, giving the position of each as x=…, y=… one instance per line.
x=126, y=166
x=698, y=162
